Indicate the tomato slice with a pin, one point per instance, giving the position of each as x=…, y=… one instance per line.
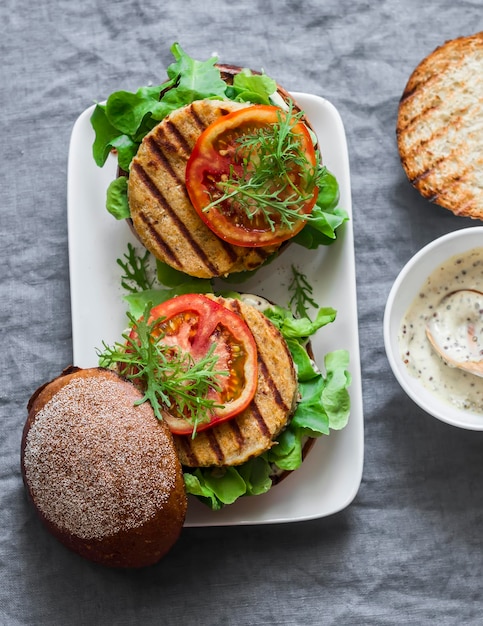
x=229, y=150
x=194, y=322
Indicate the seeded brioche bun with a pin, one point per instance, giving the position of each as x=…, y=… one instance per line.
x=439, y=126
x=102, y=474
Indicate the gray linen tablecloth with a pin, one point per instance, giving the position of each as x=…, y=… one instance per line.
x=408, y=548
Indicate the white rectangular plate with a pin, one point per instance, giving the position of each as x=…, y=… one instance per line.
x=330, y=476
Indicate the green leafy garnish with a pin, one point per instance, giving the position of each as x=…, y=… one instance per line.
x=299, y=327
x=127, y=117
x=116, y=198
x=302, y=292
x=249, y=87
x=136, y=274
x=326, y=216
x=171, y=379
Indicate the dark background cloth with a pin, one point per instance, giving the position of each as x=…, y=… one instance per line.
x=408, y=549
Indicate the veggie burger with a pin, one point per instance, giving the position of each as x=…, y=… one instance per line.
x=218, y=169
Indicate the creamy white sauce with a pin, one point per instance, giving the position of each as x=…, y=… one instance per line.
x=451, y=384
x=257, y=302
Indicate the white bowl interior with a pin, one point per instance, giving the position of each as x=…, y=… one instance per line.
x=405, y=289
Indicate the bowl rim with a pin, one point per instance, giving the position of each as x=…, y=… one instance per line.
x=434, y=252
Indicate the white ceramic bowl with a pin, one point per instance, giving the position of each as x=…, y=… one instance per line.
x=403, y=292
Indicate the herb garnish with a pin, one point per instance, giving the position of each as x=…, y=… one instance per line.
x=301, y=291
x=170, y=378
x=136, y=276
x=276, y=176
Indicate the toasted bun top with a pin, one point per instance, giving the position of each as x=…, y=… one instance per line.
x=440, y=126
x=101, y=471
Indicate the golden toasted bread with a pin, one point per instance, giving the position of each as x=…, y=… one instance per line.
x=440, y=126
x=252, y=432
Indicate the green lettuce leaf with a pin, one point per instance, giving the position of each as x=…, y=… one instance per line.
x=303, y=362
x=286, y=454
x=335, y=396
x=299, y=327
x=327, y=217
x=116, y=198
x=126, y=117
x=195, y=485
x=249, y=87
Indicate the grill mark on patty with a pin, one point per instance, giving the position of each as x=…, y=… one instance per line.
x=258, y=417
x=237, y=432
x=156, y=193
x=158, y=148
x=269, y=380
x=185, y=442
x=183, y=144
x=277, y=396
x=161, y=243
x=197, y=119
x=214, y=445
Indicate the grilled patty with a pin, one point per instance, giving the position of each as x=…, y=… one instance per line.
x=252, y=432
x=162, y=214
x=440, y=126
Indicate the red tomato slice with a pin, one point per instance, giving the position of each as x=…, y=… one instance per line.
x=194, y=322
x=218, y=155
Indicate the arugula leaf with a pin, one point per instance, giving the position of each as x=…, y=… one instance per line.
x=136, y=277
x=302, y=292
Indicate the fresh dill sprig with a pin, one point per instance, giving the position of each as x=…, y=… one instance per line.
x=136, y=273
x=273, y=177
x=302, y=292
x=169, y=377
